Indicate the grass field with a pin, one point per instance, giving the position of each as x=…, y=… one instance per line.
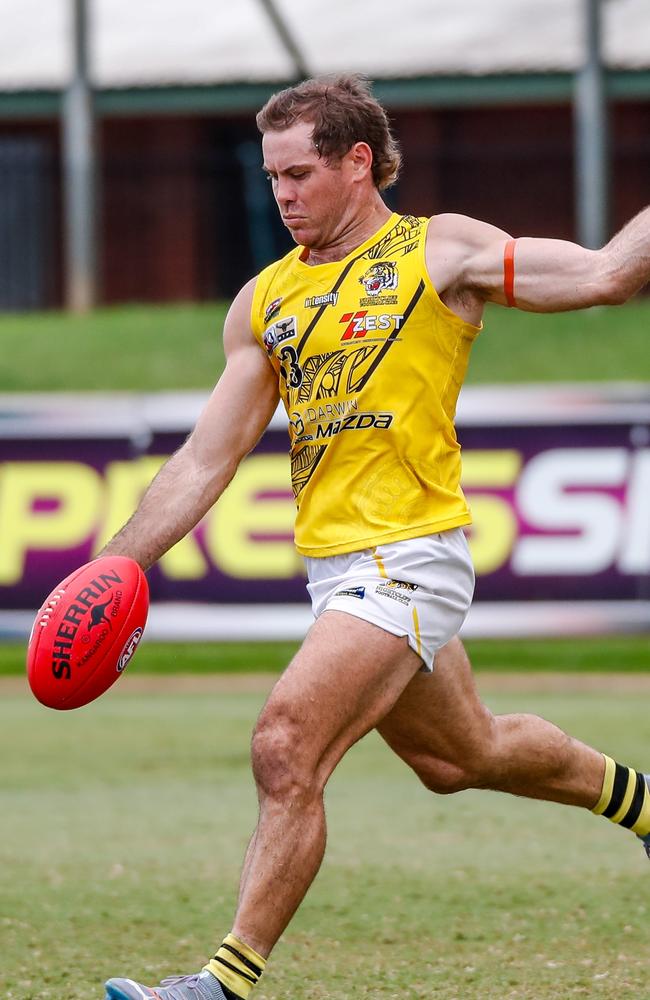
x=627, y=653
x=124, y=825
x=145, y=348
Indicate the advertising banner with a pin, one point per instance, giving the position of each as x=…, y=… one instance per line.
x=558, y=479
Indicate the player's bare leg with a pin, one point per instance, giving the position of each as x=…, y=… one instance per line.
x=342, y=682
x=440, y=727
x=346, y=677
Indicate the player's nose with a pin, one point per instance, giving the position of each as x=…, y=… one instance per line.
x=285, y=192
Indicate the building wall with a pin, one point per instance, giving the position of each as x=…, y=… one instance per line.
x=186, y=215
x=150, y=210
x=508, y=166
x=514, y=167
x=630, y=161
x=30, y=215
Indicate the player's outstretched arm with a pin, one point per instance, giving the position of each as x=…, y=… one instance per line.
x=235, y=416
x=543, y=275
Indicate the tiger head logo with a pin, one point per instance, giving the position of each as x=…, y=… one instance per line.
x=381, y=277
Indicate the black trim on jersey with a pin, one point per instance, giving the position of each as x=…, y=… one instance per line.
x=337, y=284
x=317, y=459
x=342, y=276
x=393, y=337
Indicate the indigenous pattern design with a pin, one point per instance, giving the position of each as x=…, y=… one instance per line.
x=327, y=375
x=402, y=239
x=369, y=363
x=303, y=463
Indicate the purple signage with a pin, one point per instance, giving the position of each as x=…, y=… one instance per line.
x=558, y=480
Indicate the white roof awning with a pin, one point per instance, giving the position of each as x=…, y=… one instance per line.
x=151, y=43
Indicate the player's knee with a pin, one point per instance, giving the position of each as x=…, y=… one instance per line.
x=279, y=766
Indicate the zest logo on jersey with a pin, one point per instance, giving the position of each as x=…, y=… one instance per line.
x=360, y=323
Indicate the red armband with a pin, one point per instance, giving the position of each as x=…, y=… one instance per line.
x=509, y=273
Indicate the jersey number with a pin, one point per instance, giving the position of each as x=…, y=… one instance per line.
x=290, y=368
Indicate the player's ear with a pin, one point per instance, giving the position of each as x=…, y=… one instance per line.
x=361, y=158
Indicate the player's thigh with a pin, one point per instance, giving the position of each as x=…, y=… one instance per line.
x=440, y=716
x=345, y=678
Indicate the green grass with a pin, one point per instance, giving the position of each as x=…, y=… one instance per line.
x=592, y=653
x=128, y=348
x=598, y=653
x=124, y=826
x=598, y=344
x=179, y=347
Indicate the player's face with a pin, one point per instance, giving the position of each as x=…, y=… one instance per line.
x=312, y=195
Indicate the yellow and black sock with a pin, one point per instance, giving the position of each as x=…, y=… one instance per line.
x=237, y=967
x=625, y=798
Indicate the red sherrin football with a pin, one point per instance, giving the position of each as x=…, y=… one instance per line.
x=87, y=631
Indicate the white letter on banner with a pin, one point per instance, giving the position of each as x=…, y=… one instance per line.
x=635, y=554
x=542, y=501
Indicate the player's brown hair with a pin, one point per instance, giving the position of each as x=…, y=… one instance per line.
x=343, y=111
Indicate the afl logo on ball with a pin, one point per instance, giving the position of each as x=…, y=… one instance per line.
x=129, y=649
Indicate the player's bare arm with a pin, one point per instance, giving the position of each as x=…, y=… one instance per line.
x=238, y=411
x=468, y=262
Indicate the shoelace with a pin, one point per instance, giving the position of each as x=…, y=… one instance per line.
x=192, y=983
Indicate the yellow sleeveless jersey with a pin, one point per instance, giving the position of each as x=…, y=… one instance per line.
x=370, y=363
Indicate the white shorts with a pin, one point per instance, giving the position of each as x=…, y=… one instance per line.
x=421, y=588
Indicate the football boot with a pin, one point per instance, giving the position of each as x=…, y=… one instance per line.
x=200, y=986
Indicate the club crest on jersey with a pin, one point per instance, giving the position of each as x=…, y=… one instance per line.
x=380, y=277
x=272, y=310
x=283, y=329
